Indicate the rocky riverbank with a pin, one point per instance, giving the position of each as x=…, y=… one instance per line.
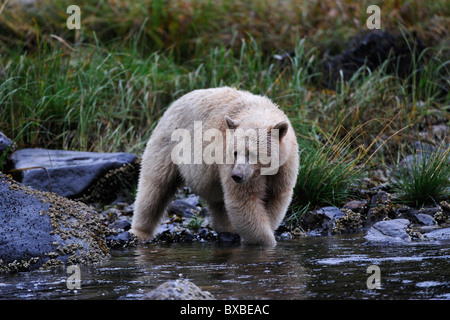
x=378, y=218
x=42, y=229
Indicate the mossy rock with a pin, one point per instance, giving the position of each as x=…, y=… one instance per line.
x=41, y=229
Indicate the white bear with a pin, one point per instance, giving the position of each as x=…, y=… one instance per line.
x=244, y=196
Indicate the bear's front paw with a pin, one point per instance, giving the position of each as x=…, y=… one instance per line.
x=267, y=240
x=142, y=235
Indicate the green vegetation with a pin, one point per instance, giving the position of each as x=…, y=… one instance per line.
x=195, y=222
x=327, y=176
x=104, y=87
x=423, y=179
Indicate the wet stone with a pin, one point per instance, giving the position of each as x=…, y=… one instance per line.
x=284, y=236
x=228, y=237
x=40, y=229
x=427, y=216
x=321, y=221
x=183, y=208
x=178, y=290
x=206, y=235
x=440, y=234
x=123, y=224
x=175, y=235
x=390, y=231
x=57, y=170
x=356, y=206
x=124, y=239
x=425, y=219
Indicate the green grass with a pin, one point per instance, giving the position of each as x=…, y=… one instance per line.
x=108, y=98
x=195, y=222
x=423, y=179
x=327, y=176
x=92, y=99
x=331, y=172
x=103, y=88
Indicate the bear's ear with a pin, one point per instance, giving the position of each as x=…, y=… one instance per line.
x=282, y=129
x=232, y=124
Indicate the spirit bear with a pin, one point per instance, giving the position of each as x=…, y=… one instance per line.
x=246, y=179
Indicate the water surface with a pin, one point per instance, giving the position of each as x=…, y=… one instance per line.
x=307, y=268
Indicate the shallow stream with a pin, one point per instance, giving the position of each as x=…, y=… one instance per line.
x=306, y=268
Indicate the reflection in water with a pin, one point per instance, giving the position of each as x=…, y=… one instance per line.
x=227, y=271
x=308, y=268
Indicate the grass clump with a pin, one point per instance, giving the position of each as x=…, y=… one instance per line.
x=422, y=178
x=324, y=178
x=196, y=222
x=328, y=174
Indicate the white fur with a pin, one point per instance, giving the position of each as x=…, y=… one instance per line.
x=253, y=209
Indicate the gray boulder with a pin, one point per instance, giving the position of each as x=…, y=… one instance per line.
x=67, y=173
x=41, y=229
x=439, y=234
x=178, y=290
x=425, y=219
x=393, y=231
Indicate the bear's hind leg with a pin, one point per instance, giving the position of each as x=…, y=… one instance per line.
x=158, y=183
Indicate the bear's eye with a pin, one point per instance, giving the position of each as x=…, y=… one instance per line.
x=235, y=154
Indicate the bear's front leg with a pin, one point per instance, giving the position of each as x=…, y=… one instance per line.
x=280, y=188
x=247, y=212
x=277, y=205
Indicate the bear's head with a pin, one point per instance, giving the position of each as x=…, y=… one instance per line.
x=253, y=151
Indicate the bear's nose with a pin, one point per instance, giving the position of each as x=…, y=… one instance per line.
x=237, y=178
